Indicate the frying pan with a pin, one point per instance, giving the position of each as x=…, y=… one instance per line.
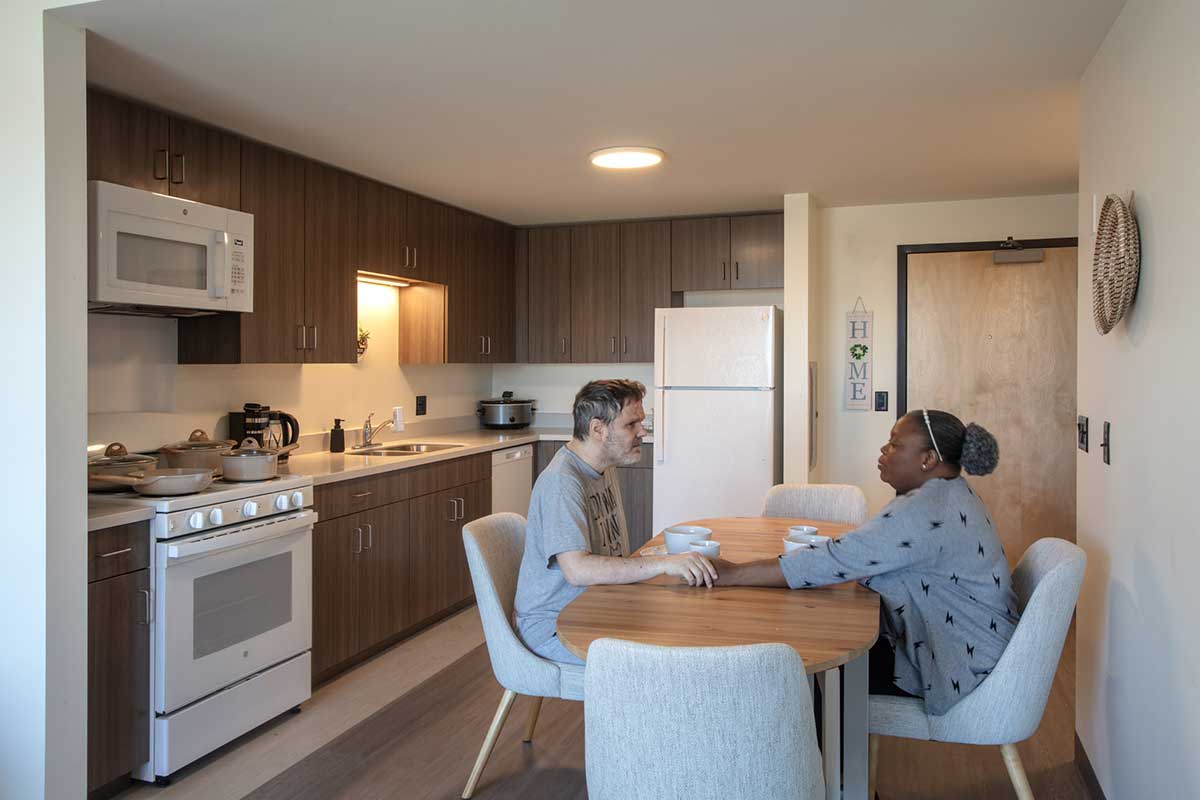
x=161, y=482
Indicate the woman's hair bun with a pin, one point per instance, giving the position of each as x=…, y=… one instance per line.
x=980, y=452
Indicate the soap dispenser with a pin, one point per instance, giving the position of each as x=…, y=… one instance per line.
x=337, y=437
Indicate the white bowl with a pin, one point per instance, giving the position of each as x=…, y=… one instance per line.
x=810, y=541
x=679, y=537
x=802, y=530
x=706, y=548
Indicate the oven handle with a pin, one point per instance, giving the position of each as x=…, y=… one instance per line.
x=240, y=537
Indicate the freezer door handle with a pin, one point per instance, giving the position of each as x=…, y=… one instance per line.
x=660, y=427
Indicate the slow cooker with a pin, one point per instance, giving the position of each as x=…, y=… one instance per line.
x=506, y=412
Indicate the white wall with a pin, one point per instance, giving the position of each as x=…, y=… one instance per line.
x=798, y=210
x=1137, y=690
x=42, y=579
x=138, y=395
x=857, y=256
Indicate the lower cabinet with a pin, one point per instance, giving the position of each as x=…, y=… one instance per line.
x=385, y=570
x=118, y=713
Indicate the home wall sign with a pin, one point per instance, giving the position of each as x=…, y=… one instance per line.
x=859, y=353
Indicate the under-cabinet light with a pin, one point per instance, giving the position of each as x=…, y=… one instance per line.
x=380, y=279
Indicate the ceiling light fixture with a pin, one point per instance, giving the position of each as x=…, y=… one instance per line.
x=627, y=157
x=380, y=279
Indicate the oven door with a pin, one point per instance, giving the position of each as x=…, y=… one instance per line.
x=230, y=603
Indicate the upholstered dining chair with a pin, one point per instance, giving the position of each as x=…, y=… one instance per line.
x=1007, y=706
x=699, y=722
x=494, y=546
x=832, y=502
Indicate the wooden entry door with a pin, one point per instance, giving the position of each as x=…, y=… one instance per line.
x=995, y=344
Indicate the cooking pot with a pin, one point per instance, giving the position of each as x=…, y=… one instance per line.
x=160, y=482
x=251, y=461
x=116, y=462
x=506, y=412
x=197, y=451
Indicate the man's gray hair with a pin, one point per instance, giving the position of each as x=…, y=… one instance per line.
x=603, y=400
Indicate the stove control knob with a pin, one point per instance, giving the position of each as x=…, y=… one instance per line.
x=281, y=502
x=215, y=516
x=297, y=499
x=249, y=508
x=196, y=520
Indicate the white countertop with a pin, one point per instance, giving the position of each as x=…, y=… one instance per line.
x=105, y=512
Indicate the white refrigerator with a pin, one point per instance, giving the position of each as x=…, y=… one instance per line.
x=718, y=406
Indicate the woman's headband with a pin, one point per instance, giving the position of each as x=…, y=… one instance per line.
x=932, y=438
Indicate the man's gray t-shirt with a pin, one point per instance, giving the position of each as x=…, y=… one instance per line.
x=573, y=507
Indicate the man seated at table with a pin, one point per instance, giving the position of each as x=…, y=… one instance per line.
x=577, y=535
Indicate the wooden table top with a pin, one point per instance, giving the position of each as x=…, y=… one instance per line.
x=827, y=626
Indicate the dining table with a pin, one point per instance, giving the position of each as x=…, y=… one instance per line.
x=832, y=629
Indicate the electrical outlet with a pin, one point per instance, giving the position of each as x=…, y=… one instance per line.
x=421, y=406
x=1106, y=445
x=1081, y=426
x=881, y=401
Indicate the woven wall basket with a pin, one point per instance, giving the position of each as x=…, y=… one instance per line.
x=1115, y=264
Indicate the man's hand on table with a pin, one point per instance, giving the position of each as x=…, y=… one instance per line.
x=692, y=569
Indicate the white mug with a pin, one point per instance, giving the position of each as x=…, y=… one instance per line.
x=678, y=537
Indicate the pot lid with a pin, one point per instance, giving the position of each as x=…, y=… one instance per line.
x=198, y=440
x=116, y=454
x=495, y=401
x=250, y=448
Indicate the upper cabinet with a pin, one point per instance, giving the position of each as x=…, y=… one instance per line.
x=549, y=280
x=330, y=258
x=427, y=240
x=205, y=164
x=595, y=293
x=645, y=285
x=381, y=229
x=479, y=316
x=715, y=253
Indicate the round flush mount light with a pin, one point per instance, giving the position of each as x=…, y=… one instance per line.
x=627, y=157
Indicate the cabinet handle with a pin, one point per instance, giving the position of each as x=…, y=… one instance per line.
x=303, y=337
x=361, y=494
x=116, y=552
x=370, y=536
x=358, y=548
x=737, y=271
x=462, y=508
x=181, y=159
x=453, y=510
x=406, y=255
x=724, y=267
x=564, y=345
x=489, y=350
x=482, y=349
x=149, y=607
x=414, y=258
x=313, y=346
x=164, y=156
x=624, y=344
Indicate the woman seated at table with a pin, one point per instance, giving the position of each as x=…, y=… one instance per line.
x=947, y=605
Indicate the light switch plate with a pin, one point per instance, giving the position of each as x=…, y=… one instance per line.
x=881, y=401
x=421, y=405
x=1081, y=427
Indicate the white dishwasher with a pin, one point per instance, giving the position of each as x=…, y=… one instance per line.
x=512, y=479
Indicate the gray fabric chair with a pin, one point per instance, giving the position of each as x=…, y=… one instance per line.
x=1007, y=706
x=699, y=722
x=494, y=546
x=833, y=502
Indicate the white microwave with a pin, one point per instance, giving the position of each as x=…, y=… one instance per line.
x=148, y=249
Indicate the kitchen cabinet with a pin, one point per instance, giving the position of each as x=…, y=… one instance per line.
x=381, y=229
x=756, y=249
x=335, y=579
x=118, y=653
x=205, y=164
x=330, y=255
x=645, y=285
x=595, y=293
x=273, y=191
x=427, y=235
x=549, y=271
x=521, y=296
x=384, y=568
x=744, y=252
x=442, y=578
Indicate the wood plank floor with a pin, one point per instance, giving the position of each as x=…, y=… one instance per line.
x=423, y=745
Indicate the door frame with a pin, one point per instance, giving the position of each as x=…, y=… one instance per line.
x=903, y=251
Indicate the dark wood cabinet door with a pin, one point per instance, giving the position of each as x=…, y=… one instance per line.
x=330, y=253
x=474, y=502
x=645, y=285
x=544, y=454
x=521, y=296
x=681, y=255
x=711, y=268
x=337, y=551
x=756, y=248
x=595, y=293
x=118, y=676
x=206, y=164
x=637, y=497
x=381, y=211
x=499, y=302
x=427, y=236
x=433, y=563
x=550, y=295
x=383, y=571
x=126, y=143
x=464, y=328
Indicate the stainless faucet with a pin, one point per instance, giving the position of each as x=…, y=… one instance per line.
x=368, y=433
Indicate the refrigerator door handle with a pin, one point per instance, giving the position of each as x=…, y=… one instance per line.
x=660, y=427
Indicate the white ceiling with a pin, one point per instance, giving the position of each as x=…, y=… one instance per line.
x=493, y=106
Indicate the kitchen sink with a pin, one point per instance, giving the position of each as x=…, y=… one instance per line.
x=406, y=449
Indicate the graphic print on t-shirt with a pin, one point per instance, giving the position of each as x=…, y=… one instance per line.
x=606, y=518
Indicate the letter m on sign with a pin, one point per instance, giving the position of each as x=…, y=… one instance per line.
x=858, y=371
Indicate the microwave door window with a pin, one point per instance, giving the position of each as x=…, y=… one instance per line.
x=151, y=261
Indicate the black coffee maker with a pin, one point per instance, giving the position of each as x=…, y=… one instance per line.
x=265, y=426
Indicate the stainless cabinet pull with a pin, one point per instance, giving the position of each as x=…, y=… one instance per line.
x=564, y=345
x=313, y=346
x=116, y=552
x=624, y=344
x=370, y=536
x=453, y=510
x=724, y=267
x=361, y=494
x=406, y=255
x=182, y=161
x=358, y=548
x=462, y=508
x=737, y=271
x=163, y=154
x=489, y=343
x=612, y=344
x=414, y=258
x=482, y=345
x=149, y=606
x=303, y=337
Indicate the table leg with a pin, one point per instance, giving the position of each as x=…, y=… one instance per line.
x=831, y=736
x=855, y=722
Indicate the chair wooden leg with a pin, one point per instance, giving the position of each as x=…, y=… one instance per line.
x=534, y=710
x=489, y=741
x=872, y=765
x=1016, y=771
